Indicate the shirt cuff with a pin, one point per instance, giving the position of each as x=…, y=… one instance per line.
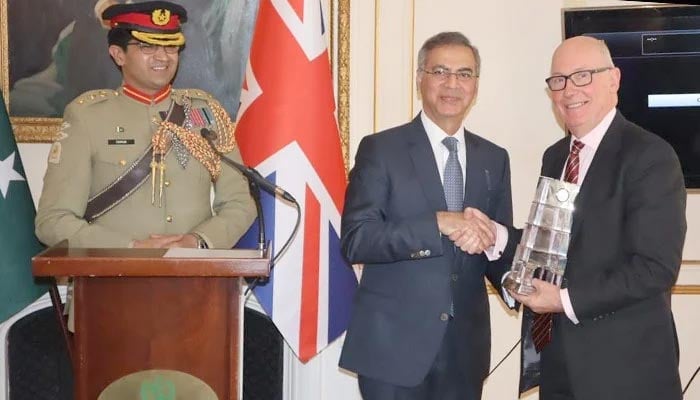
x=494, y=252
x=510, y=301
x=568, y=308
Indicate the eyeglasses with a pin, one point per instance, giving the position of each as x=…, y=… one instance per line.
x=442, y=74
x=578, y=78
x=148, y=49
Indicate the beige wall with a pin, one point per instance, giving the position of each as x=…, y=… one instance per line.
x=516, y=39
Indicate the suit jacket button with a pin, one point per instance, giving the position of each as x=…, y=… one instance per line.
x=455, y=277
x=444, y=317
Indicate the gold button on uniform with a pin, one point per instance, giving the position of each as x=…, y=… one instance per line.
x=122, y=162
x=455, y=277
x=166, y=183
x=169, y=218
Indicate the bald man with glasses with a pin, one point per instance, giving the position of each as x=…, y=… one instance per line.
x=611, y=334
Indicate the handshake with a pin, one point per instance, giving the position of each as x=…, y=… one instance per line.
x=470, y=230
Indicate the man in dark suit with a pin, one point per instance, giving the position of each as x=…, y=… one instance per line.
x=420, y=325
x=613, y=335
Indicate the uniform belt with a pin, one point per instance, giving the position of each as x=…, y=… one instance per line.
x=135, y=176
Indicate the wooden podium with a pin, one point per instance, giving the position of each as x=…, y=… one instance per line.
x=155, y=309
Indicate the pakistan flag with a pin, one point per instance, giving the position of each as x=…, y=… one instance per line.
x=17, y=241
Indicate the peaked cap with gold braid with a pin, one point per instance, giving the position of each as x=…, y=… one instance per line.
x=154, y=22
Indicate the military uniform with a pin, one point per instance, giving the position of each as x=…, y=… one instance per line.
x=133, y=162
x=103, y=133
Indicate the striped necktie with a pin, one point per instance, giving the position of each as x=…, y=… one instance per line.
x=542, y=323
x=572, y=164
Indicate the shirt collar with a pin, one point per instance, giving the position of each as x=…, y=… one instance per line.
x=141, y=97
x=593, y=138
x=436, y=134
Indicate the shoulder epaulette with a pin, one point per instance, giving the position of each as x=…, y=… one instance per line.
x=95, y=96
x=193, y=94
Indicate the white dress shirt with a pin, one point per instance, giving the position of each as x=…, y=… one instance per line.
x=436, y=135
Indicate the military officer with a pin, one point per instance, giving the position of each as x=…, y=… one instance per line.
x=130, y=167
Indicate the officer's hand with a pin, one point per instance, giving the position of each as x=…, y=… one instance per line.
x=159, y=242
x=189, y=241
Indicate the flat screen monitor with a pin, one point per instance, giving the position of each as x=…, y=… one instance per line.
x=657, y=48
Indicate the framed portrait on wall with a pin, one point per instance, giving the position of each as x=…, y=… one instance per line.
x=54, y=50
x=51, y=51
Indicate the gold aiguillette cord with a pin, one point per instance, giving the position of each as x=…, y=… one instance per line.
x=158, y=163
x=161, y=166
x=154, y=164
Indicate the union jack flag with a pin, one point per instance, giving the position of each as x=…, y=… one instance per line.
x=287, y=129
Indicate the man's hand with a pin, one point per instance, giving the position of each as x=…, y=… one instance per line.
x=545, y=299
x=189, y=240
x=471, y=230
x=479, y=234
x=166, y=241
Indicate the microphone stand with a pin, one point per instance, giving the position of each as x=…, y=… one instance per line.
x=255, y=183
x=691, y=380
x=255, y=194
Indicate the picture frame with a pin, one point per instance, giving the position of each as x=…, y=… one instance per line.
x=50, y=56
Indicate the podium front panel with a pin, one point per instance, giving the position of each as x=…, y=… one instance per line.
x=124, y=325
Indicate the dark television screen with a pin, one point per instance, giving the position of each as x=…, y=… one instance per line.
x=657, y=48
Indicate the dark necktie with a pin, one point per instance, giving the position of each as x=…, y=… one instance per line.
x=453, y=183
x=542, y=323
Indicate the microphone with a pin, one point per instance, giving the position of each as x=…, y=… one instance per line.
x=255, y=182
x=250, y=173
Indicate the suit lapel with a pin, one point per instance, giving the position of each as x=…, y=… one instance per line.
x=478, y=176
x=553, y=166
x=424, y=164
x=600, y=174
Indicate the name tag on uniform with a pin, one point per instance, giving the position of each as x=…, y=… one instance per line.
x=120, y=141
